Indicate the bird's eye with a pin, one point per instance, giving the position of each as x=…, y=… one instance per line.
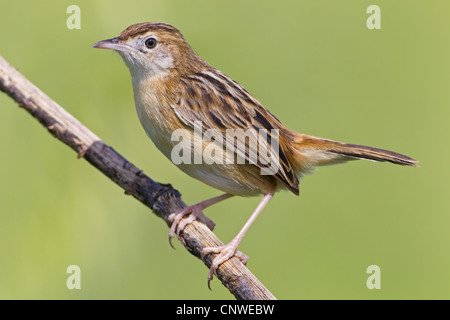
x=150, y=43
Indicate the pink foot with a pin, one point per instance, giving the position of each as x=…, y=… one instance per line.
x=179, y=222
x=224, y=253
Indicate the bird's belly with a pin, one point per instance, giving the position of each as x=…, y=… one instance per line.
x=222, y=178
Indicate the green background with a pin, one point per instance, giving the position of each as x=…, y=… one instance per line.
x=317, y=67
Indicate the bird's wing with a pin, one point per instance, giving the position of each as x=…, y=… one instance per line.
x=214, y=101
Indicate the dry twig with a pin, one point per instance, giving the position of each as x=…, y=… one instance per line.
x=161, y=198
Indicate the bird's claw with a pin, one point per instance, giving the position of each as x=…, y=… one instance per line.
x=225, y=253
x=179, y=222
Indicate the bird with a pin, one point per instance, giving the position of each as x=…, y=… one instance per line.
x=175, y=90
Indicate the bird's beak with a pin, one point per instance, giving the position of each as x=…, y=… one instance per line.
x=113, y=44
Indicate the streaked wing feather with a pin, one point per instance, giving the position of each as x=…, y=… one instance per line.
x=220, y=103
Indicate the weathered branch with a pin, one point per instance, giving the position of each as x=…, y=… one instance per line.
x=161, y=198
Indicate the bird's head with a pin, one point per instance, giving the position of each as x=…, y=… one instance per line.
x=152, y=49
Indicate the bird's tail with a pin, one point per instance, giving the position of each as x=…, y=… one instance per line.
x=309, y=151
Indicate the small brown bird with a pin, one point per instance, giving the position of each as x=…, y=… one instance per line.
x=175, y=91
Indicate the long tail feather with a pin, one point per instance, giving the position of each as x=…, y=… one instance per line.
x=309, y=151
x=370, y=153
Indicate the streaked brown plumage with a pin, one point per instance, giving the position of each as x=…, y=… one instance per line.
x=174, y=88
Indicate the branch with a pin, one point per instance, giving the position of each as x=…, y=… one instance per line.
x=161, y=198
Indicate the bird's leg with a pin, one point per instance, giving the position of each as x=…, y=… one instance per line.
x=230, y=250
x=194, y=212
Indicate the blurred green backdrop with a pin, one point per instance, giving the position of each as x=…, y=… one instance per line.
x=317, y=67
